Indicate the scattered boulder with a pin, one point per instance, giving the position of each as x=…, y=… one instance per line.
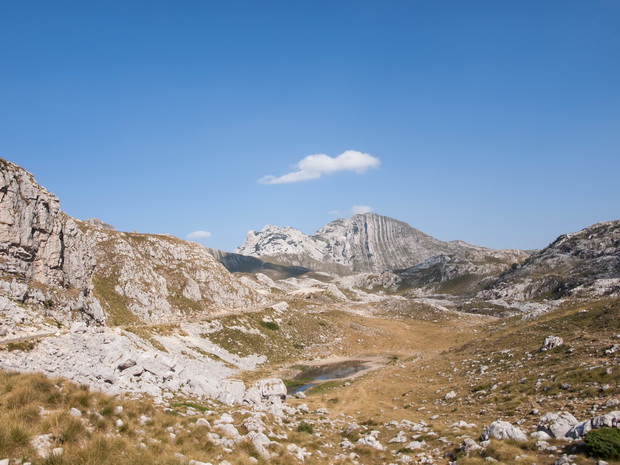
x=252, y=396
x=42, y=444
x=371, y=441
x=260, y=442
x=551, y=342
x=502, y=430
x=556, y=425
x=232, y=391
x=272, y=387
x=469, y=445
x=579, y=430
x=401, y=437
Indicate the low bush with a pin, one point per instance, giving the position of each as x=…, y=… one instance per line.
x=304, y=427
x=603, y=443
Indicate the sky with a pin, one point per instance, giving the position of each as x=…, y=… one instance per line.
x=493, y=122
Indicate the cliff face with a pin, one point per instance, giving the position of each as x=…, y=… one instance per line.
x=584, y=264
x=70, y=265
x=365, y=243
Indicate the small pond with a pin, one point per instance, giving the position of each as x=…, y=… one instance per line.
x=316, y=374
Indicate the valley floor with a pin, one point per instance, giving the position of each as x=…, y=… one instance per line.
x=441, y=377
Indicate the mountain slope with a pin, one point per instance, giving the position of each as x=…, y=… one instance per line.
x=585, y=264
x=236, y=263
x=65, y=265
x=365, y=243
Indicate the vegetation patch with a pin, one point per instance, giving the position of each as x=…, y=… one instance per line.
x=603, y=443
x=271, y=325
x=24, y=346
x=304, y=427
x=115, y=305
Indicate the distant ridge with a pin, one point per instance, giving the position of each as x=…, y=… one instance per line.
x=365, y=243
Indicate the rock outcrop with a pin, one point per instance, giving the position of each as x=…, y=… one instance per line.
x=502, y=430
x=581, y=264
x=88, y=268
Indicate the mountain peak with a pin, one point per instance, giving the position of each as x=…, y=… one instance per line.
x=366, y=242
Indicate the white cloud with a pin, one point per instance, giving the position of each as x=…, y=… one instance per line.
x=358, y=209
x=315, y=166
x=198, y=235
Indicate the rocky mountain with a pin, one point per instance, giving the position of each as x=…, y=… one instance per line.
x=365, y=243
x=237, y=263
x=66, y=265
x=582, y=264
x=466, y=272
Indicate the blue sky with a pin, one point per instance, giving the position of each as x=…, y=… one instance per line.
x=494, y=122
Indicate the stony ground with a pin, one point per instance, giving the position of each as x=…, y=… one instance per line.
x=441, y=377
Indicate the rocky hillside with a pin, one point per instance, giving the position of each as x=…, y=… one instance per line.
x=236, y=263
x=365, y=243
x=74, y=269
x=467, y=272
x=582, y=264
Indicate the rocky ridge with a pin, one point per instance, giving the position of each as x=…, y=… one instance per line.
x=583, y=264
x=365, y=243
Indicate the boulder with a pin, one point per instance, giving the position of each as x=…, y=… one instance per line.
x=232, y=391
x=260, y=442
x=252, y=396
x=371, y=441
x=551, y=342
x=272, y=387
x=557, y=424
x=502, y=430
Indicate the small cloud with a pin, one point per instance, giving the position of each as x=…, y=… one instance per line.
x=315, y=166
x=334, y=213
x=360, y=209
x=198, y=235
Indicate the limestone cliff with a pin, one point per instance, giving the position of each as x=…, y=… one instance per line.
x=86, y=270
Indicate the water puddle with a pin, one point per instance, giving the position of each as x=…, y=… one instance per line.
x=316, y=374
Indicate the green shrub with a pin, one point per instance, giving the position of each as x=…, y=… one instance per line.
x=270, y=325
x=304, y=427
x=603, y=443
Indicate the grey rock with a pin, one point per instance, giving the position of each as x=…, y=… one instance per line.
x=252, y=396
x=551, y=342
x=582, y=264
x=557, y=424
x=232, y=391
x=502, y=430
x=469, y=445
x=272, y=387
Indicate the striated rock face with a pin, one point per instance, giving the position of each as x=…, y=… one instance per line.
x=581, y=264
x=365, y=243
x=70, y=265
